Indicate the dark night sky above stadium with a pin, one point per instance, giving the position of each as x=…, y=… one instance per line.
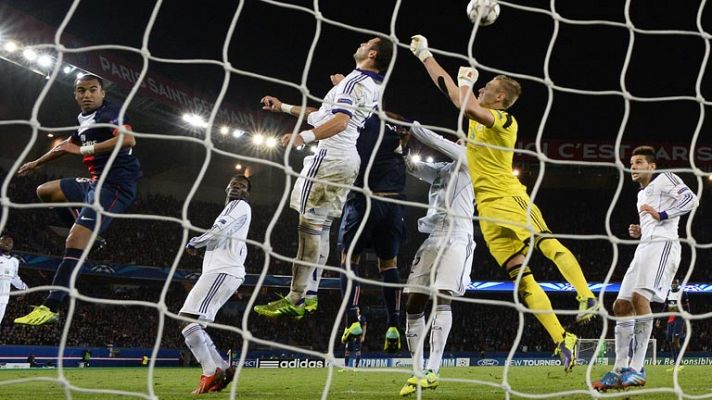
x=274, y=41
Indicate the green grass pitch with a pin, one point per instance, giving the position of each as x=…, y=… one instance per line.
x=176, y=383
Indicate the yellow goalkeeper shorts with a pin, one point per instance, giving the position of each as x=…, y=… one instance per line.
x=505, y=225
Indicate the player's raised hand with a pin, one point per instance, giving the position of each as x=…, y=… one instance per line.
x=336, y=78
x=26, y=168
x=467, y=76
x=647, y=208
x=419, y=47
x=634, y=231
x=271, y=103
x=298, y=140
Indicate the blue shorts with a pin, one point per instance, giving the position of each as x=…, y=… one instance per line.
x=113, y=198
x=384, y=231
x=675, y=328
x=353, y=345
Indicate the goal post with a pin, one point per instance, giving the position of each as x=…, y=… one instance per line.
x=603, y=351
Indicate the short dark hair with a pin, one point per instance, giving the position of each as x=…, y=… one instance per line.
x=384, y=53
x=242, y=176
x=647, y=151
x=89, y=77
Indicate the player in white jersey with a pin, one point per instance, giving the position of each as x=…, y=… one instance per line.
x=9, y=266
x=316, y=198
x=223, y=273
x=662, y=199
x=444, y=260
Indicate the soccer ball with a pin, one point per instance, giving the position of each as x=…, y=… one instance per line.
x=486, y=11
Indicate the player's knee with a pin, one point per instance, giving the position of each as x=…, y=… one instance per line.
x=622, y=308
x=415, y=303
x=641, y=302
x=551, y=248
x=47, y=191
x=191, y=339
x=385, y=265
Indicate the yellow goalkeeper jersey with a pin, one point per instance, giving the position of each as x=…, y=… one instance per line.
x=490, y=168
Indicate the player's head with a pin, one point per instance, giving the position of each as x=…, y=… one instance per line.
x=675, y=284
x=238, y=188
x=500, y=93
x=6, y=243
x=375, y=54
x=642, y=164
x=89, y=92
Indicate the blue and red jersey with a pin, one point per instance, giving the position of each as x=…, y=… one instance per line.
x=125, y=168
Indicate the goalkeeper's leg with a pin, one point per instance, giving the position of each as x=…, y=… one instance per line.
x=571, y=271
x=534, y=297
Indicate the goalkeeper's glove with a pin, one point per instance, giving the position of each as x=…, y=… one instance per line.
x=467, y=76
x=419, y=47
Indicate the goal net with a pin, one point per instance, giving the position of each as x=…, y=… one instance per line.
x=598, y=78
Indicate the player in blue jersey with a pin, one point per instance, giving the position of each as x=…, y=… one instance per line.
x=677, y=301
x=385, y=227
x=94, y=144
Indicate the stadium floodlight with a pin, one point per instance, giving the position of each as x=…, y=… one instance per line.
x=258, y=139
x=50, y=135
x=415, y=158
x=709, y=177
x=195, y=120
x=429, y=159
x=516, y=172
x=271, y=142
x=224, y=130
x=44, y=61
x=10, y=46
x=68, y=69
x=238, y=166
x=29, y=54
x=237, y=133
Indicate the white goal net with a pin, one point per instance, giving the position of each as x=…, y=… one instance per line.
x=599, y=78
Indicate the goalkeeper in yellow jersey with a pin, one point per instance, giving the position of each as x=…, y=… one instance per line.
x=505, y=209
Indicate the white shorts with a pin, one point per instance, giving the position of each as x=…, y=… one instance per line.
x=652, y=270
x=210, y=293
x=452, y=274
x=319, y=198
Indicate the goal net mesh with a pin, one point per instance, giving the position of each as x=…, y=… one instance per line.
x=603, y=105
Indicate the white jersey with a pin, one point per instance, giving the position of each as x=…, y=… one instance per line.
x=9, y=267
x=450, y=187
x=667, y=194
x=225, y=245
x=357, y=96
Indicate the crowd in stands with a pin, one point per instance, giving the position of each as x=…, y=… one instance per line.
x=155, y=243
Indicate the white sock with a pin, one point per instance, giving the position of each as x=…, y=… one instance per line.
x=414, y=327
x=216, y=357
x=324, y=245
x=624, y=336
x=308, y=251
x=195, y=340
x=643, y=330
x=442, y=322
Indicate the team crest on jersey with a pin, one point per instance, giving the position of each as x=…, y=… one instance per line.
x=649, y=191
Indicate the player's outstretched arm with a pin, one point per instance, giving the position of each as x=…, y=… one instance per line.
x=273, y=104
x=129, y=140
x=437, y=142
x=335, y=125
x=443, y=81
x=56, y=152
